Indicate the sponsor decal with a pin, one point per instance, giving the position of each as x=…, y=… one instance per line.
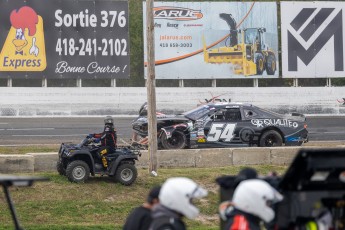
x=274, y=122
x=176, y=13
x=24, y=47
x=221, y=132
x=293, y=139
x=201, y=140
x=201, y=132
x=246, y=134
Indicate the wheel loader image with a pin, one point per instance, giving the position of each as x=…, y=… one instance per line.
x=247, y=50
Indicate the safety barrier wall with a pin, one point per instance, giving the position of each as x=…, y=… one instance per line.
x=192, y=158
x=127, y=101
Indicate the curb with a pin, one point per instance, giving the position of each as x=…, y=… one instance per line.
x=193, y=158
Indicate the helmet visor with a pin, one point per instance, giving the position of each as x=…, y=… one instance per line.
x=197, y=193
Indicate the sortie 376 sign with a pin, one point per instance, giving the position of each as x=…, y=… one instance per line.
x=64, y=39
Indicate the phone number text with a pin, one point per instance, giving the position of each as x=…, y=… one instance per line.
x=175, y=44
x=91, y=47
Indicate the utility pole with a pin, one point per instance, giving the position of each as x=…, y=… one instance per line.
x=151, y=90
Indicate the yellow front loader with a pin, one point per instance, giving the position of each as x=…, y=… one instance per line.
x=246, y=52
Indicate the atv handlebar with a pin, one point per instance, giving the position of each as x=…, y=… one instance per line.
x=87, y=141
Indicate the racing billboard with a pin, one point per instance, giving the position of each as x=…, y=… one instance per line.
x=312, y=35
x=214, y=40
x=64, y=39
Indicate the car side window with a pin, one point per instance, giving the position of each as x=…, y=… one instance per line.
x=249, y=113
x=218, y=116
x=233, y=114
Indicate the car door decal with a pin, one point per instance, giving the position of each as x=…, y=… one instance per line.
x=221, y=131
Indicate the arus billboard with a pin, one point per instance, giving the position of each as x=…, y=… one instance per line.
x=214, y=40
x=64, y=39
x=312, y=35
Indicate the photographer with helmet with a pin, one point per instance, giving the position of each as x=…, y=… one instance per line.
x=176, y=201
x=108, y=139
x=252, y=203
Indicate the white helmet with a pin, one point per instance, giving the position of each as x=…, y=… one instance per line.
x=255, y=196
x=178, y=193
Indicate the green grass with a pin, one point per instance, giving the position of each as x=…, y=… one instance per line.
x=102, y=204
x=29, y=149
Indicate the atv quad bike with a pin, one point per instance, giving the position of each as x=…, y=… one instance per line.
x=78, y=161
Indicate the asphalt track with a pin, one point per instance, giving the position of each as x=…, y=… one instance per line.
x=55, y=130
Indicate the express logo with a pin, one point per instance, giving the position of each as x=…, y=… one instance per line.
x=176, y=13
x=24, y=48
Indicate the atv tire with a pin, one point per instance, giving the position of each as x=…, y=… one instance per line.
x=260, y=64
x=78, y=171
x=271, y=138
x=271, y=64
x=178, y=140
x=126, y=174
x=61, y=170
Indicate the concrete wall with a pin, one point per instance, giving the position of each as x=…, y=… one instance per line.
x=25, y=101
x=192, y=158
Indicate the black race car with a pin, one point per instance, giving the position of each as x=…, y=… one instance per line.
x=224, y=125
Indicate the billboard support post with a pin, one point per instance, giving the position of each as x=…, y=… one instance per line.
x=151, y=90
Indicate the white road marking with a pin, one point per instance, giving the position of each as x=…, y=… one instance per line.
x=340, y=132
x=33, y=135
x=56, y=135
x=28, y=129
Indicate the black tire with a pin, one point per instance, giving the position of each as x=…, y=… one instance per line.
x=271, y=138
x=271, y=64
x=177, y=140
x=260, y=64
x=126, y=174
x=78, y=171
x=61, y=170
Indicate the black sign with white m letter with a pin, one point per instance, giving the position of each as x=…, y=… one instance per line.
x=313, y=39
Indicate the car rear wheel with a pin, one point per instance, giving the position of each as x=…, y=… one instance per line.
x=177, y=140
x=271, y=138
x=78, y=171
x=126, y=174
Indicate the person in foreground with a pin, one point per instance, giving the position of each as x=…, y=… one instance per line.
x=252, y=204
x=140, y=218
x=176, y=201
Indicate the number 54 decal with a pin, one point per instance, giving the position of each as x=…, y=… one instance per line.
x=221, y=131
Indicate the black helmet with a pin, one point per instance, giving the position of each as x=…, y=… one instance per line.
x=108, y=120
